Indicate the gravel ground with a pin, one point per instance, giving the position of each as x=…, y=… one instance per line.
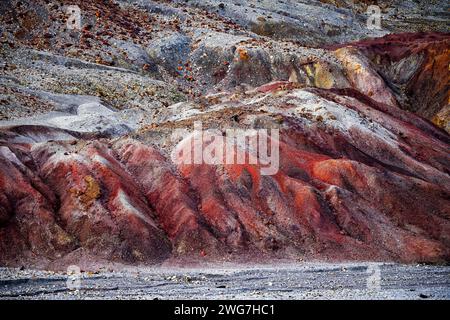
x=305, y=281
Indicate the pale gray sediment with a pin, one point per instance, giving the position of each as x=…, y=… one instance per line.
x=303, y=281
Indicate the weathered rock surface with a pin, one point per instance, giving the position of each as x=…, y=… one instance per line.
x=88, y=116
x=354, y=183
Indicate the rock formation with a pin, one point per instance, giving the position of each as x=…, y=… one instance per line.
x=88, y=119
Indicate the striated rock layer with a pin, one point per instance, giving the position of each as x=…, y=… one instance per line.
x=87, y=167
x=355, y=182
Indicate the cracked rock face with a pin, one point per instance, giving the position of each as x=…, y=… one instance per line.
x=87, y=123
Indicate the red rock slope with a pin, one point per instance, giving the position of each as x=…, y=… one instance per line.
x=358, y=179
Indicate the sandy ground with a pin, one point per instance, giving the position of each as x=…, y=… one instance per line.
x=305, y=281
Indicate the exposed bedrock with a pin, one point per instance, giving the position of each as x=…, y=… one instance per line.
x=87, y=123
x=354, y=182
x=203, y=47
